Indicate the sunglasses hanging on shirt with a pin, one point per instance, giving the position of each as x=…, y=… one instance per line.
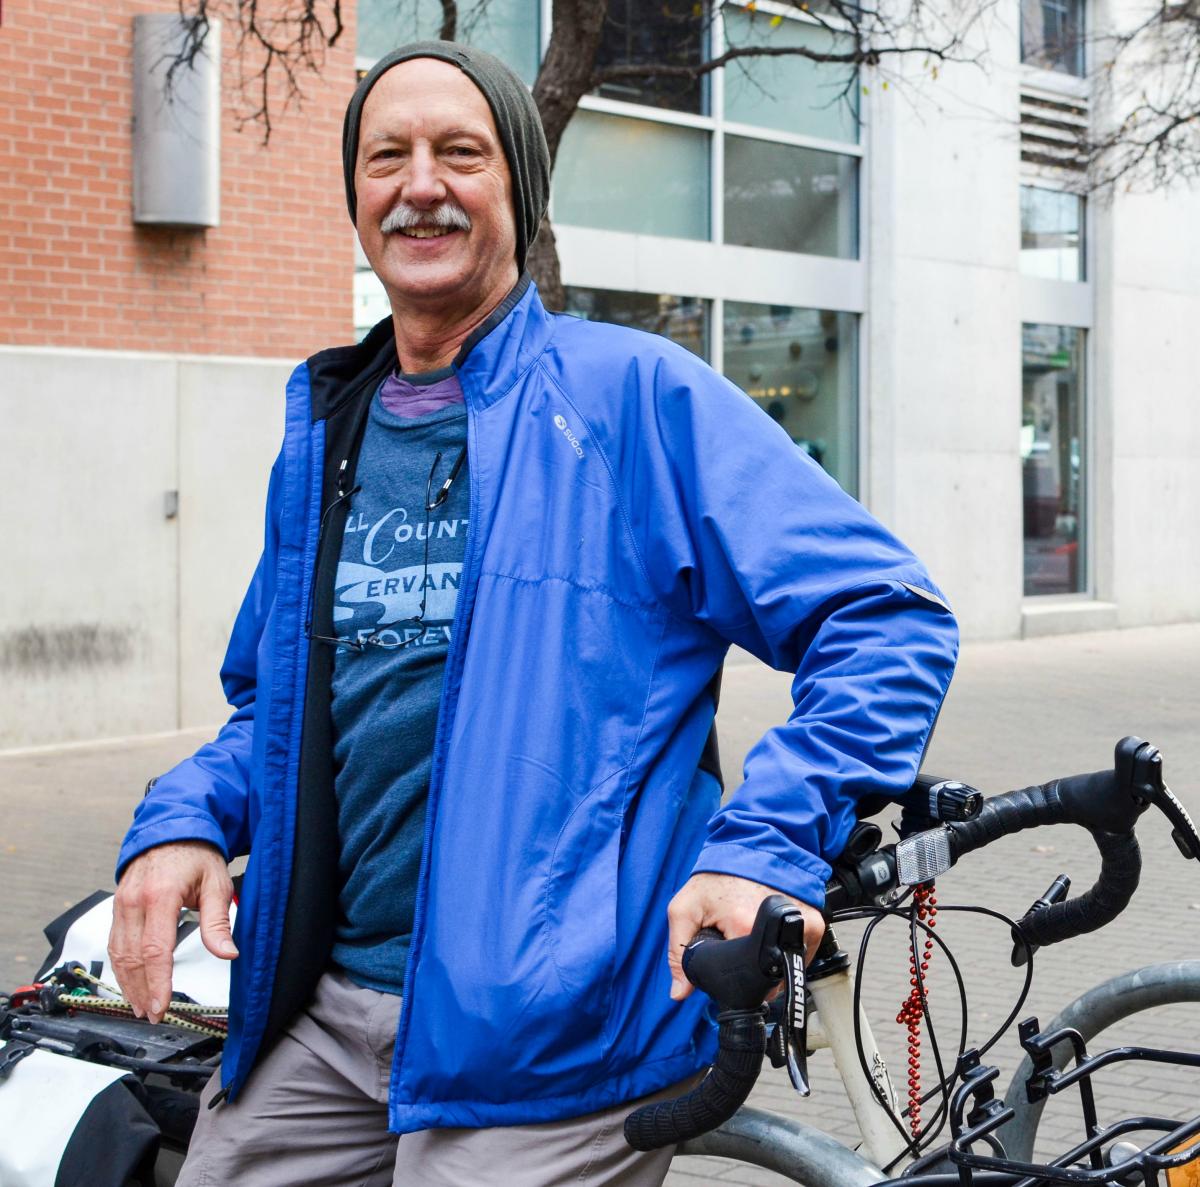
x=417, y=622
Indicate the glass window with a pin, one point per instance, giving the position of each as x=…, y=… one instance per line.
x=1053, y=459
x=790, y=199
x=1051, y=234
x=1052, y=35
x=673, y=32
x=603, y=164
x=370, y=302
x=800, y=365
x=785, y=93
x=682, y=319
x=507, y=28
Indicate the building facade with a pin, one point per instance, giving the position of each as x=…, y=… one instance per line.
x=141, y=369
x=896, y=265
x=901, y=268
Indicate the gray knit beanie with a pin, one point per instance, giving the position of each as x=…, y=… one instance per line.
x=516, y=117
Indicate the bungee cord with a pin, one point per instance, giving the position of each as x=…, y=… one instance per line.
x=211, y=1021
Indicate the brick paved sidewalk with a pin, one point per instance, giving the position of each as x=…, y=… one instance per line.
x=1019, y=712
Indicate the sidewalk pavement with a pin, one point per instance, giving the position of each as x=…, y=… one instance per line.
x=1018, y=713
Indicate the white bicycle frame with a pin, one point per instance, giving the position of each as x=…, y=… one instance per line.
x=831, y=1025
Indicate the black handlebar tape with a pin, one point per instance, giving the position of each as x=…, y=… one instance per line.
x=741, y=1044
x=727, y=970
x=1098, y=801
x=1063, y=801
x=1002, y=815
x=1120, y=869
x=1101, y=801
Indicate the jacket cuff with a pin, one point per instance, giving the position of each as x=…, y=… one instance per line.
x=802, y=876
x=164, y=832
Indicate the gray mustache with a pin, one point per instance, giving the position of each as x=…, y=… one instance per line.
x=402, y=216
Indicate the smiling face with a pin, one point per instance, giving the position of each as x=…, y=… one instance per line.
x=434, y=193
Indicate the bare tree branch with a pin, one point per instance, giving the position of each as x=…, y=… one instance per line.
x=1147, y=92
x=854, y=57
x=449, y=20
x=274, y=49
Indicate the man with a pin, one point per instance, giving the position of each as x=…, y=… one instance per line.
x=472, y=685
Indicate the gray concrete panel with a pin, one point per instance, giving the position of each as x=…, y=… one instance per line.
x=87, y=620
x=230, y=428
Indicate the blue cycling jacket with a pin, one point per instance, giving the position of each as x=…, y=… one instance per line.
x=632, y=514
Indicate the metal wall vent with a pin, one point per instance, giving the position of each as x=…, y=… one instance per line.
x=1054, y=129
x=176, y=125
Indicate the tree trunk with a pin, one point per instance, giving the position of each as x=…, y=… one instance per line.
x=565, y=77
x=544, y=268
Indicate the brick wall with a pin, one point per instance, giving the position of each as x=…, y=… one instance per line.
x=274, y=279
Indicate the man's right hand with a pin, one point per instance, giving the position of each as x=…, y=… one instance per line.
x=153, y=889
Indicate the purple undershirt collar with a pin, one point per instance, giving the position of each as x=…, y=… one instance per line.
x=401, y=397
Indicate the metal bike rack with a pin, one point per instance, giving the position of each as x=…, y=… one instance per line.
x=1099, y=1008
x=787, y=1147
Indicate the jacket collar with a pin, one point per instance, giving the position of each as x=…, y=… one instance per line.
x=488, y=364
x=495, y=355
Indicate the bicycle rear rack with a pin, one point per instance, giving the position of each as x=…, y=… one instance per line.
x=975, y=1114
x=184, y=1057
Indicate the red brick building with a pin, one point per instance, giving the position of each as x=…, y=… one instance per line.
x=273, y=279
x=142, y=369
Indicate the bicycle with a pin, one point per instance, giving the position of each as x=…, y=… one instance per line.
x=941, y=822
x=823, y=1009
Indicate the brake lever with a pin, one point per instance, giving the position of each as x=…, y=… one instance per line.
x=795, y=1011
x=1144, y=766
x=1183, y=831
x=788, y=1044
x=737, y=975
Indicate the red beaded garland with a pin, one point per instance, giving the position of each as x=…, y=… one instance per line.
x=912, y=1010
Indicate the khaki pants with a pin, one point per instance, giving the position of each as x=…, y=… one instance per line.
x=315, y=1114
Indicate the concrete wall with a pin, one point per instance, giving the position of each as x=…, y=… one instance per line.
x=114, y=616
x=942, y=392
x=1154, y=362
x=943, y=388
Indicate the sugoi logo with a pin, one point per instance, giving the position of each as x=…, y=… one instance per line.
x=561, y=424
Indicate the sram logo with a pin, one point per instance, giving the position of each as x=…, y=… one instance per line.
x=562, y=426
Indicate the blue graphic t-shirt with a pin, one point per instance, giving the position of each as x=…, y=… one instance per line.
x=390, y=591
